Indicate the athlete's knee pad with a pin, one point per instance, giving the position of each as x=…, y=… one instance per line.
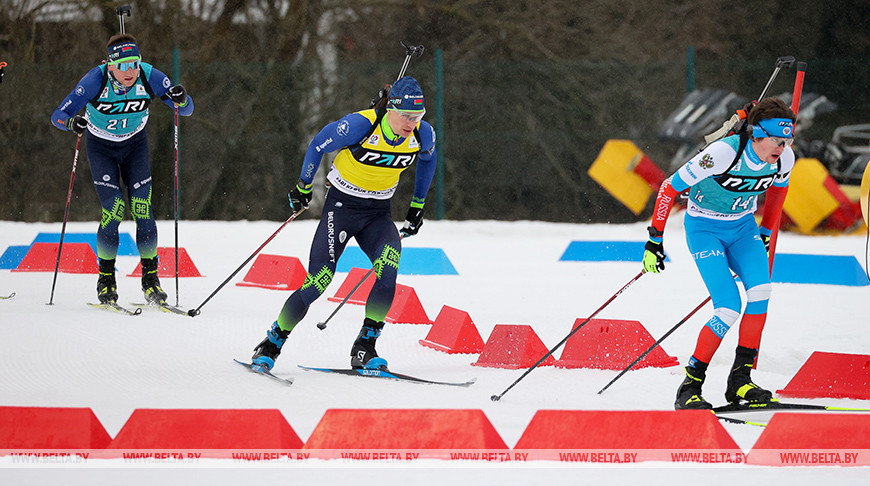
x=140, y=207
x=757, y=298
x=722, y=320
x=113, y=214
x=318, y=281
x=389, y=260
x=758, y=293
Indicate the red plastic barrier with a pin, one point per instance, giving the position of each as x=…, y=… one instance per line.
x=626, y=436
x=832, y=375
x=51, y=428
x=513, y=346
x=813, y=439
x=406, y=307
x=453, y=332
x=353, y=278
x=612, y=344
x=426, y=432
x=76, y=258
x=206, y=431
x=650, y=172
x=166, y=264
x=275, y=272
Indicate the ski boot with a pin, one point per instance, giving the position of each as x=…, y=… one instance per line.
x=689, y=394
x=268, y=350
x=740, y=386
x=107, y=289
x=363, y=354
x=150, y=282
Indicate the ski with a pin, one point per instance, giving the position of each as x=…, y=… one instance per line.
x=732, y=420
x=161, y=306
x=388, y=375
x=114, y=307
x=262, y=371
x=4, y=297
x=777, y=405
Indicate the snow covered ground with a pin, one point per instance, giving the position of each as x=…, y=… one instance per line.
x=68, y=355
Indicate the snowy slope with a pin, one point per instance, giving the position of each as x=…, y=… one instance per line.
x=509, y=273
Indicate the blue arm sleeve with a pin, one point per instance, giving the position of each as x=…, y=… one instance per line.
x=161, y=83
x=427, y=162
x=678, y=183
x=87, y=88
x=339, y=134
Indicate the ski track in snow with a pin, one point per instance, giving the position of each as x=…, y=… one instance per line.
x=68, y=355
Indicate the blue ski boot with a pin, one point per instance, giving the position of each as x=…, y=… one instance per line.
x=268, y=350
x=363, y=354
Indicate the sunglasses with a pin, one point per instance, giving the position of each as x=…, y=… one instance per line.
x=411, y=116
x=779, y=141
x=126, y=66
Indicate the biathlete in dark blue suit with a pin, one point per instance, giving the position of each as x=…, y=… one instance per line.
x=116, y=96
x=375, y=146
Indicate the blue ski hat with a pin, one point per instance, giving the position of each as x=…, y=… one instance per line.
x=406, y=95
x=773, y=127
x=124, y=52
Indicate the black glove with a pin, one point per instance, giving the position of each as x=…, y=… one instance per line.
x=77, y=124
x=766, y=240
x=653, y=257
x=300, y=196
x=413, y=221
x=177, y=94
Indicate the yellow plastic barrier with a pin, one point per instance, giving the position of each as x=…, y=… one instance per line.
x=865, y=195
x=808, y=202
x=618, y=170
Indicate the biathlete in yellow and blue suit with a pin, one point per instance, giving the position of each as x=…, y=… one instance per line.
x=376, y=146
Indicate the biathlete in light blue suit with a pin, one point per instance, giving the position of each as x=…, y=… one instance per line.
x=723, y=184
x=116, y=97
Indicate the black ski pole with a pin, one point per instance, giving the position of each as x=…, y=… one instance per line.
x=176, y=205
x=196, y=312
x=655, y=345
x=496, y=398
x=322, y=325
x=72, y=179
